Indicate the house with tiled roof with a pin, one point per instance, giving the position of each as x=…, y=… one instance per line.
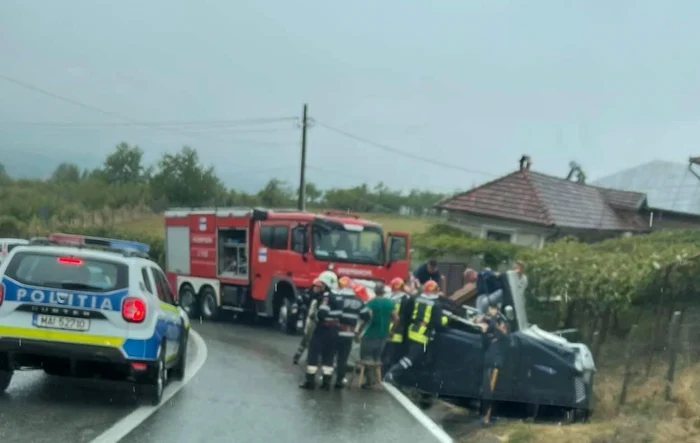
x=528, y=208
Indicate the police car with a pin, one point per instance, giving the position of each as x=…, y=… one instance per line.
x=83, y=306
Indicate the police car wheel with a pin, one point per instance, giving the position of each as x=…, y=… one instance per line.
x=208, y=306
x=178, y=371
x=153, y=391
x=5, y=379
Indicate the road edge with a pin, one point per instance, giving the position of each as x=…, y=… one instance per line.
x=127, y=424
x=420, y=417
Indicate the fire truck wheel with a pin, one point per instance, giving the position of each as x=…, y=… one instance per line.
x=285, y=319
x=188, y=300
x=207, y=304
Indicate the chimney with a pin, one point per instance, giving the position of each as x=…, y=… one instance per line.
x=525, y=163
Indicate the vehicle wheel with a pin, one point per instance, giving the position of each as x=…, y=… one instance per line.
x=208, y=305
x=425, y=401
x=287, y=321
x=188, y=300
x=152, y=392
x=178, y=371
x=5, y=379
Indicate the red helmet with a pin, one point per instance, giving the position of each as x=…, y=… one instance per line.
x=397, y=284
x=430, y=287
x=344, y=282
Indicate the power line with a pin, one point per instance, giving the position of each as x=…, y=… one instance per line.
x=224, y=124
x=126, y=119
x=400, y=152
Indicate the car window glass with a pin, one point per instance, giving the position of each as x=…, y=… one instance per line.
x=146, y=280
x=164, y=293
x=279, y=237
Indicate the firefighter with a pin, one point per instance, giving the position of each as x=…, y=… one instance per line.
x=353, y=309
x=324, y=336
x=394, y=345
x=494, y=340
x=311, y=300
x=422, y=316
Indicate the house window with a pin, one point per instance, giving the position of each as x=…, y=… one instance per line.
x=499, y=236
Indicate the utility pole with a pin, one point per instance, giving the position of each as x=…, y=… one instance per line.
x=302, y=172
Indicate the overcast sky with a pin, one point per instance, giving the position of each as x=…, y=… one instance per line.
x=475, y=84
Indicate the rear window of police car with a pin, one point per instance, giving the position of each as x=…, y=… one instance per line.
x=55, y=271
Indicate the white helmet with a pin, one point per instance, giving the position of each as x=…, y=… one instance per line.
x=329, y=279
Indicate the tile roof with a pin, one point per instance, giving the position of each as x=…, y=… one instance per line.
x=545, y=200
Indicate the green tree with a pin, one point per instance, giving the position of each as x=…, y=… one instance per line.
x=180, y=179
x=276, y=194
x=124, y=165
x=66, y=173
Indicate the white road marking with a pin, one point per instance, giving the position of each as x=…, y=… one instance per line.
x=415, y=411
x=127, y=424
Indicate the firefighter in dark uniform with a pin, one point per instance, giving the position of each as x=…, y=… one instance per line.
x=325, y=335
x=311, y=299
x=394, y=348
x=422, y=316
x=494, y=340
x=353, y=309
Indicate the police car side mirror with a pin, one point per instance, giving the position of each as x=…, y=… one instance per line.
x=510, y=314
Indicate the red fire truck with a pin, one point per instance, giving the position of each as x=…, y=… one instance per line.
x=255, y=260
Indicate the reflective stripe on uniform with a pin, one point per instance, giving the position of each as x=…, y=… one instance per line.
x=420, y=320
x=327, y=370
x=311, y=369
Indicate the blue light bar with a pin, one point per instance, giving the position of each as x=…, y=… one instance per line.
x=77, y=239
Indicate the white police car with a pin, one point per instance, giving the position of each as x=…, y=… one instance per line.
x=80, y=306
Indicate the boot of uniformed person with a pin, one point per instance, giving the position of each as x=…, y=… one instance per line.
x=494, y=342
x=312, y=298
x=353, y=309
x=393, y=350
x=324, y=337
x=422, y=316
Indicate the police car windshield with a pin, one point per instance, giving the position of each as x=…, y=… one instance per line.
x=50, y=271
x=336, y=242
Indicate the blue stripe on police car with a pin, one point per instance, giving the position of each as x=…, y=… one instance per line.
x=16, y=292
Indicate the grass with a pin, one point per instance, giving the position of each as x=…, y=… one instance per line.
x=413, y=225
x=646, y=417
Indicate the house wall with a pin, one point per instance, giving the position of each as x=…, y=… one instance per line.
x=670, y=220
x=522, y=234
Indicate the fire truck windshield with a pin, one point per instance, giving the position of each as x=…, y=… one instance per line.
x=347, y=243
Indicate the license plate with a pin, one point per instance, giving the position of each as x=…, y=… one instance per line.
x=60, y=322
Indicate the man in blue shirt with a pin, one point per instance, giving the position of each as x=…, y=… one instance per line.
x=428, y=271
x=487, y=282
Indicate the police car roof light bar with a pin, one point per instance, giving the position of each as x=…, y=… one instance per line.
x=112, y=243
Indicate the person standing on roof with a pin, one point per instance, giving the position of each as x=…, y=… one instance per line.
x=353, y=309
x=325, y=335
x=426, y=272
x=393, y=350
x=423, y=317
x=494, y=341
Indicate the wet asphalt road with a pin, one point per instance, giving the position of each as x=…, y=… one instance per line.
x=38, y=408
x=246, y=391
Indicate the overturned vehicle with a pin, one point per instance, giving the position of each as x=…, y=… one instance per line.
x=541, y=369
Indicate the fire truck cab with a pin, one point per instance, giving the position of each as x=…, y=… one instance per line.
x=255, y=260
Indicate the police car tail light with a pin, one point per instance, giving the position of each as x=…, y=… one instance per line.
x=134, y=310
x=70, y=261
